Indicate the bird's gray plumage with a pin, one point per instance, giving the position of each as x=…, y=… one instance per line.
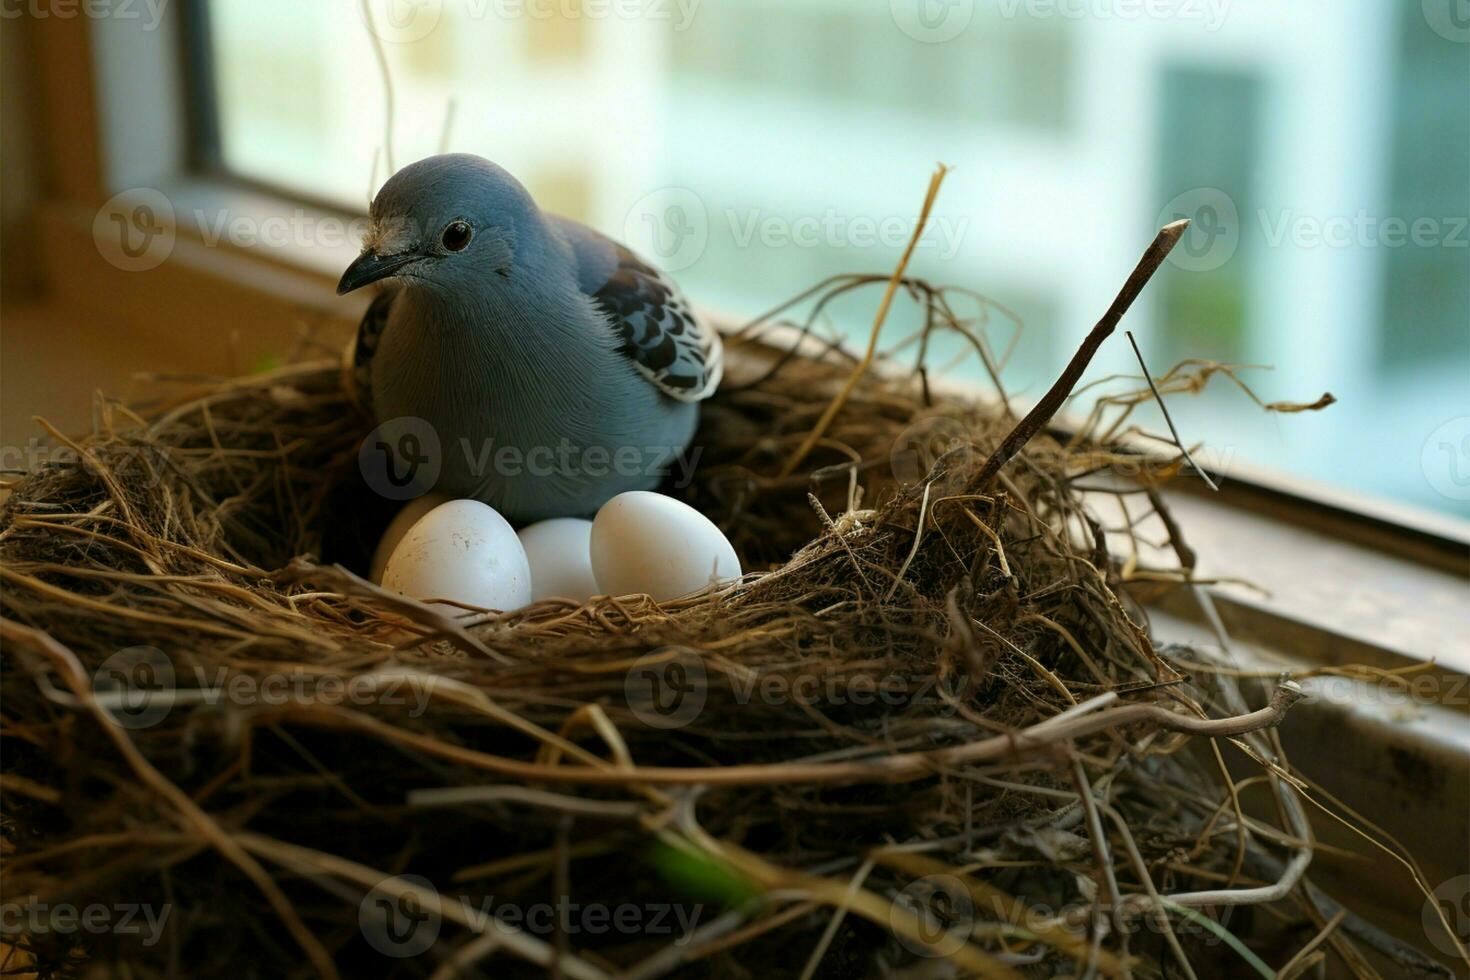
x=555, y=367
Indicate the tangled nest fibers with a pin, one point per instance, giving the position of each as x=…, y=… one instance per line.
x=932, y=736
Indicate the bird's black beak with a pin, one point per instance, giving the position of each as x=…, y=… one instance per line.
x=370, y=267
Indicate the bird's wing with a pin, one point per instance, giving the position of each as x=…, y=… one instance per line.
x=358, y=365
x=670, y=346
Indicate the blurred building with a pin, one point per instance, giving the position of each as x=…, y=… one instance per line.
x=1322, y=148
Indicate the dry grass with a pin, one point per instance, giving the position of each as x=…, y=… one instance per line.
x=931, y=683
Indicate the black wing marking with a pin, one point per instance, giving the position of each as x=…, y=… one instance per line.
x=359, y=365
x=675, y=350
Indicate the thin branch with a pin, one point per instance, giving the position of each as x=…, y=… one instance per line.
x=899, y=767
x=447, y=129
x=1169, y=420
x=815, y=436
x=382, y=58
x=1056, y=396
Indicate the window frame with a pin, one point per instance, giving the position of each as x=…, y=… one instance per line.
x=274, y=286
x=262, y=293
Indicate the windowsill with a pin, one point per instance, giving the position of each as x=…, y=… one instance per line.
x=1319, y=595
x=246, y=303
x=314, y=239
x=1339, y=587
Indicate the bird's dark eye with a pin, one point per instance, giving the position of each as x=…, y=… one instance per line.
x=456, y=236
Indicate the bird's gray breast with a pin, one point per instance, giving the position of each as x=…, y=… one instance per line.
x=529, y=408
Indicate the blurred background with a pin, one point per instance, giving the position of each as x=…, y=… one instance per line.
x=1305, y=139
x=754, y=147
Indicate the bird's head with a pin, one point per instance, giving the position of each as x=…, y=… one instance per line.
x=450, y=221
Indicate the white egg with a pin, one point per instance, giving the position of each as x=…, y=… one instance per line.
x=398, y=527
x=559, y=551
x=465, y=551
x=645, y=542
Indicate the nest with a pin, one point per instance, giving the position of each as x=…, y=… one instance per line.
x=927, y=735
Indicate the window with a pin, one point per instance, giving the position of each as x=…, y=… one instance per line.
x=1321, y=147
x=1305, y=140
x=1207, y=139
x=1428, y=288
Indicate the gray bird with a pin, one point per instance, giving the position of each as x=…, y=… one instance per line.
x=554, y=367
